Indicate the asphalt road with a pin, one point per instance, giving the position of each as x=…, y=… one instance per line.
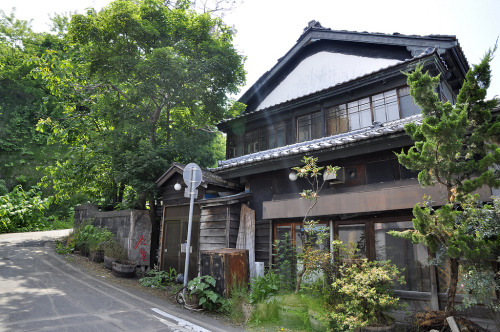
x=39, y=291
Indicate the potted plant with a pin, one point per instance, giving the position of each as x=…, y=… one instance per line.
x=113, y=251
x=364, y=292
x=96, y=241
x=201, y=293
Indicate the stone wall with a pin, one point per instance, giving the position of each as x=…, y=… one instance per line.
x=131, y=227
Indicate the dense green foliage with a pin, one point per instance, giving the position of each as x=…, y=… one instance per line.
x=142, y=86
x=119, y=94
x=88, y=239
x=23, y=211
x=23, y=101
x=364, y=293
x=455, y=147
x=159, y=278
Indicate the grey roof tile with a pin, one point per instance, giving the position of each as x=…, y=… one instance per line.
x=323, y=143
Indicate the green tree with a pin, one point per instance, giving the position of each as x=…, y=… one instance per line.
x=312, y=257
x=143, y=84
x=23, y=100
x=455, y=147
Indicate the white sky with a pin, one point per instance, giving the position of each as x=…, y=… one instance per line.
x=267, y=29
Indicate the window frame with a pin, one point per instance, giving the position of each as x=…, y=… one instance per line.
x=311, y=126
x=370, y=233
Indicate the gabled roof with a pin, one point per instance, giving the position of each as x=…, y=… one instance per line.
x=414, y=44
x=207, y=177
x=397, y=68
x=320, y=144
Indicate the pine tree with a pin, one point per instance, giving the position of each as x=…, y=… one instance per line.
x=455, y=147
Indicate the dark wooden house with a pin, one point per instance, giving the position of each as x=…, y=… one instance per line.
x=342, y=97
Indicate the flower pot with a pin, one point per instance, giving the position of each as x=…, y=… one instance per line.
x=387, y=328
x=192, y=301
x=124, y=269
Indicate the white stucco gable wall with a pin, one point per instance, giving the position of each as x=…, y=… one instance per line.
x=320, y=71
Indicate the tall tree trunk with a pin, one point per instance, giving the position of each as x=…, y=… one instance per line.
x=141, y=201
x=300, y=275
x=114, y=198
x=452, y=288
x=121, y=191
x=155, y=231
x=168, y=126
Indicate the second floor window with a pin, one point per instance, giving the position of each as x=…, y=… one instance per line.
x=385, y=106
x=253, y=141
x=309, y=126
x=406, y=102
x=336, y=120
x=360, y=115
x=277, y=134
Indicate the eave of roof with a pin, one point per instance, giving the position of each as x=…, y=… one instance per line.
x=206, y=175
x=318, y=145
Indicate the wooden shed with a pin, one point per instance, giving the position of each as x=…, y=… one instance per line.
x=215, y=218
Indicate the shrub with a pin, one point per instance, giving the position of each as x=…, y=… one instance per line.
x=91, y=239
x=114, y=249
x=158, y=278
x=264, y=286
x=23, y=211
x=364, y=292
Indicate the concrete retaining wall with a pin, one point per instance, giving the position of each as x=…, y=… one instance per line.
x=131, y=227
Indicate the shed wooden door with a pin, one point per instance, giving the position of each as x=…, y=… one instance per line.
x=175, y=234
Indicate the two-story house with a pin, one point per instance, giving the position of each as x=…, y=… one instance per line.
x=342, y=97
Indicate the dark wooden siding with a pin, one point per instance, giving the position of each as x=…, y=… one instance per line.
x=219, y=227
x=263, y=241
x=234, y=224
x=261, y=187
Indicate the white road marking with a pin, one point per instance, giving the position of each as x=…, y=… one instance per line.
x=181, y=322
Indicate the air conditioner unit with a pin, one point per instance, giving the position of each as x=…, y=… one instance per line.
x=335, y=178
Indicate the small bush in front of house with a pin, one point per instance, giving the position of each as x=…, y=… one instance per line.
x=159, y=278
x=364, y=292
x=203, y=288
x=264, y=286
x=237, y=307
